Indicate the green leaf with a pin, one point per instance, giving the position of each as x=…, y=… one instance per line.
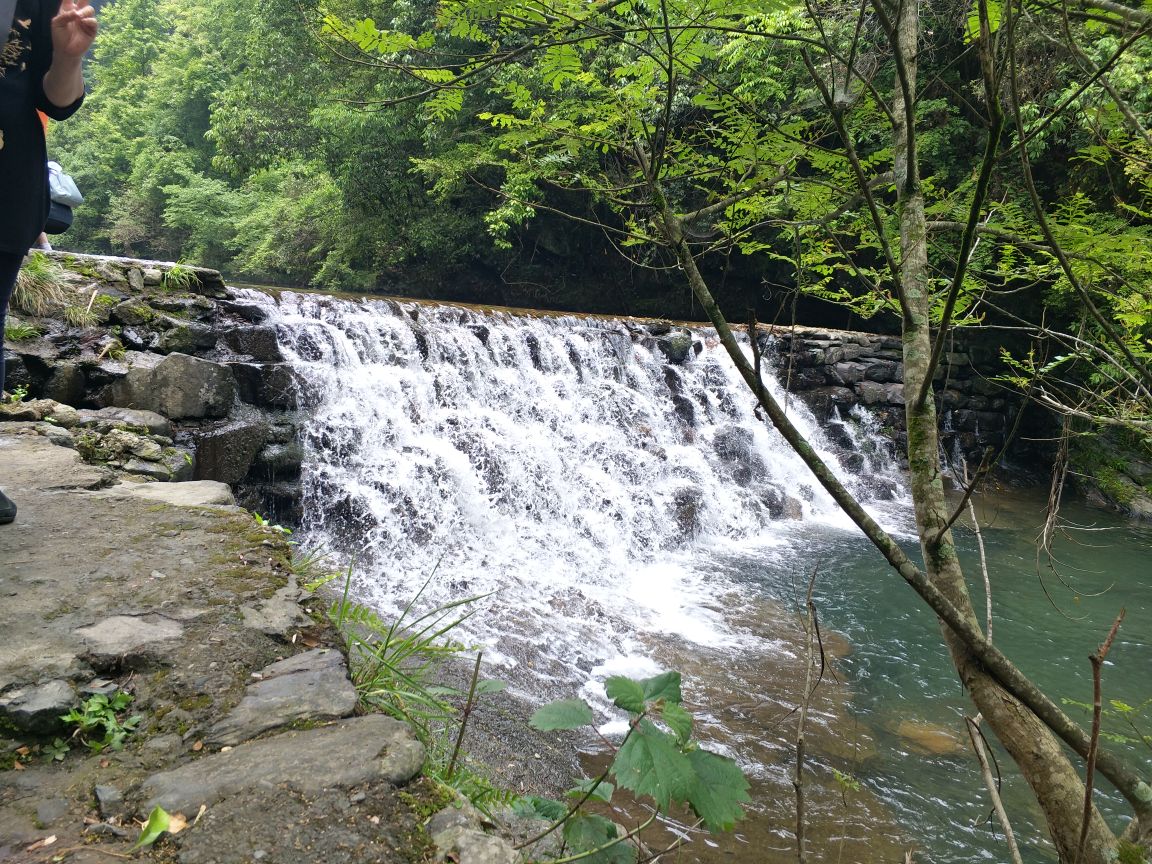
x=587, y=831
x=719, y=790
x=490, y=685
x=601, y=790
x=625, y=693
x=565, y=714
x=972, y=33
x=535, y=807
x=157, y=824
x=679, y=721
x=650, y=764
x=665, y=686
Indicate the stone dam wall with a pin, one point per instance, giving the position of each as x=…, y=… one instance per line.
x=168, y=374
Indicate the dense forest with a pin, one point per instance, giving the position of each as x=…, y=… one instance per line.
x=289, y=145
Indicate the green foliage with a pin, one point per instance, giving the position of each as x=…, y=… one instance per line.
x=20, y=331
x=100, y=722
x=159, y=821
x=657, y=759
x=39, y=288
x=179, y=277
x=18, y=394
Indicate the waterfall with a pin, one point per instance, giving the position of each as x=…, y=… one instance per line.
x=561, y=465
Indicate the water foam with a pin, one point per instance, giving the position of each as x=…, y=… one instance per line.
x=560, y=464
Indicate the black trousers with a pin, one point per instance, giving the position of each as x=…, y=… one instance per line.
x=9, y=267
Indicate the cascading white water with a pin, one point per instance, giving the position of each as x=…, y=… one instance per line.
x=558, y=462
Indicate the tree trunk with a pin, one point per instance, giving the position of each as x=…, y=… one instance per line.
x=1039, y=755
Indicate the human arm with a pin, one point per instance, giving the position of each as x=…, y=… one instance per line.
x=73, y=30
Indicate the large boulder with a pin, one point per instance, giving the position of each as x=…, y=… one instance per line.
x=177, y=386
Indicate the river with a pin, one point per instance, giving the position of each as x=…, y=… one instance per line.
x=621, y=515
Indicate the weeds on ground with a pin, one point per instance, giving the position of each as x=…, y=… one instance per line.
x=101, y=723
x=20, y=331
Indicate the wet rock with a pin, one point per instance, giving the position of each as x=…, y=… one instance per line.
x=463, y=845
x=59, y=437
x=128, y=641
x=313, y=686
x=884, y=371
x=259, y=342
x=676, y=347
x=154, y=423
x=271, y=385
x=177, y=386
x=781, y=505
x=735, y=445
x=52, y=810
x=226, y=453
x=848, y=373
x=133, y=313
x=929, y=737
x=252, y=312
x=37, y=709
x=343, y=755
x=686, y=504
x=279, y=461
x=822, y=401
x=184, y=337
x=872, y=392
x=65, y=384
x=277, y=616
x=684, y=406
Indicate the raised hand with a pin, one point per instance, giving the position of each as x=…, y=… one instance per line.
x=73, y=28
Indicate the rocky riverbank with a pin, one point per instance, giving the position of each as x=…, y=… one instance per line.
x=171, y=594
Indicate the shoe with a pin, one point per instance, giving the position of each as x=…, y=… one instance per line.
x=7, y=509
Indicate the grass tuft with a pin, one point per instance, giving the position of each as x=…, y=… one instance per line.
x=39, y=286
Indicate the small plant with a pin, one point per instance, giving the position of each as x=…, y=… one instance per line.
x=113, y=349
x=56, y=751
x=179, y=277
x=393, y=664
x=78, y=316
x=657, y=759
x=39, y=286
x=20, y=331
x=99, y=722
x=17, y=394
x=267, y=523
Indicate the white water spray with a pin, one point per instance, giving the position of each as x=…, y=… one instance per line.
x=560, y=463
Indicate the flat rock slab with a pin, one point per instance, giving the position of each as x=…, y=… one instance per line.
x=347, y=753
x=306, y=687
x=126, y=640
x=194, y=493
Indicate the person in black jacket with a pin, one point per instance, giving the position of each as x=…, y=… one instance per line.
x=40, y=69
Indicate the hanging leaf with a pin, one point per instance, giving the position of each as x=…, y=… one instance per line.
x=664, y=687
x=650, y=764
x=972, y=33
x=587, y=832
x=565, y=714
x=625, y=694
x=719, y=791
